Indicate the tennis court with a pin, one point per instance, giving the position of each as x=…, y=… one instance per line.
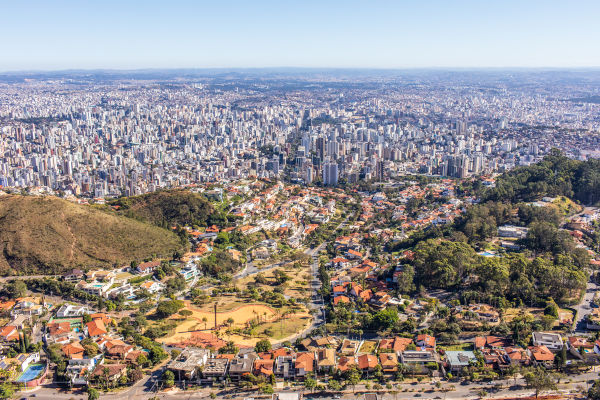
x=31, y=373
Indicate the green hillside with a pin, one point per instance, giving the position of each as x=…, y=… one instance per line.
x=167, y=208
x=555, y=175
x=49, y=235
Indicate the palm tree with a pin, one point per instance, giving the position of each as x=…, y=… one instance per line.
x=205, y=320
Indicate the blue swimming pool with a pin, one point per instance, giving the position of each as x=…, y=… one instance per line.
x=32, y=372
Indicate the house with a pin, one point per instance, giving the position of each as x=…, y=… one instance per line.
x=305, y=364
x=264, y=367
x=146, y=268
x=494, y=342
x=339, y=291
x=260, y=253
x=74, y=276
x=214, y=370
x=188, y=363
x=96, y=328
x=349, y=347
x=118, y=351
x=326, y=359
x=389, y=362
x=79, y=369
x=367, y=362
x=152, y=286
x=9, y=333
x=71, y=311
x=340, y=262
x=552, y=341
x=582, y=348
x=418, y=359
x=126, y=291
x=73, y=350
x=241, y=365
x=190, y=271
x=95, y=288
x=425, y=341
x=517, y=356
x=353, y=255
x=457, y=360
x=285, y=365
x=396, y=345
x=58, y=328
x=313, y=344
x=541, y=356
x=111, y=372
x=344, y=363
x=341, y=299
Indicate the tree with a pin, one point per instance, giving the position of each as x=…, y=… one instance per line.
x=169, y=307
x=90, y=349
x=310, y=383
x=16, y=288
x=385, y=319
x=205, y=320
x=334, y=385
x=93, y=394
x=86, y=318
x=539, y=379
x=594, y=391
x=6, y=391
x=262, y=346
x=142, y=360
x=353, y=376
x=168, y=378
x=185, y=313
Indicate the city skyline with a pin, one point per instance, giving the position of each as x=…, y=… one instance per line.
x=378, y=35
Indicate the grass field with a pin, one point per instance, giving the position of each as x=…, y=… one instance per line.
x=368, y=346
x=297, y=287
x=241, y=314
x=459, y=347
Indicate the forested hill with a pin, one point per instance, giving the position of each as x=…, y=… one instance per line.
x=49, y=235
x=555, y=175
x=166, y=208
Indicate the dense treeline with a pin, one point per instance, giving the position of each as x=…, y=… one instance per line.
x=555, y=175
x=168, y=208
x=456, y=266
x=219, y=263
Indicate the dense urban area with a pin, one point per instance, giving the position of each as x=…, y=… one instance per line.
x=295, y=234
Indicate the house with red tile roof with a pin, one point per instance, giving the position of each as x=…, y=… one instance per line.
x=263, y=367
x=304, y=364
x=395, y=345
x=340, y=299
x=345, y=362
x=74, y=350
x=9, y=333
x=367, y=362
x=96, y=328
x=542, y=356
x=425, y=341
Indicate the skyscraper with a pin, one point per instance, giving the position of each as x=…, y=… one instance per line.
x=330, y=174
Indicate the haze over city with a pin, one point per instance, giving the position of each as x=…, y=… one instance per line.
x=41, y=35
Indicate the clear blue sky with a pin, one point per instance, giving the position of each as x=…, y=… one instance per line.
x=129, y=34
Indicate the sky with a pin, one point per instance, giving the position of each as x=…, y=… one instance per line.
x=131, y=34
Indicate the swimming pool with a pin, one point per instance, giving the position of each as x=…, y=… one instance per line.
x=31, y=373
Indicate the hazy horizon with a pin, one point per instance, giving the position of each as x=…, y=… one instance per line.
x=383, y=35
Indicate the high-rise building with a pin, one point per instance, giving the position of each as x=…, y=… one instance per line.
x=330, y=174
